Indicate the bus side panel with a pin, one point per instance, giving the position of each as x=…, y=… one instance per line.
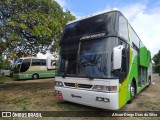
x=46, y=73
x=22, y=75
x=25, y=75
x=133, y=73
x=123, y=87
x=41, y=71
x=124, y=93
x=145, y=56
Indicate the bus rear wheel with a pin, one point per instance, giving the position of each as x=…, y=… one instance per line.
x=149, y=81
x=132, y=92
x=35, y=76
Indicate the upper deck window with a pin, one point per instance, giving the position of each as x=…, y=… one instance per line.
x=134, y=37
x=101, y=23
x=123, y=28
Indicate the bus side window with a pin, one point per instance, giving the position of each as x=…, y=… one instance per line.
x=43, y=62
x=36, y=62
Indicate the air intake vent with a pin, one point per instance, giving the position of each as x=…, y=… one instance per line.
x=77, y=85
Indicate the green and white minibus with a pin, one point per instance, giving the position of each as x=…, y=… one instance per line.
x=102, y=62
x=34, y=68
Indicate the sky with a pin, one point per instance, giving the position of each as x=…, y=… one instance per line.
x=143, y=15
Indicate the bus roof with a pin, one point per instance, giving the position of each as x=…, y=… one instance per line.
x=94, y=14
x=36, y=58
x=29, y=58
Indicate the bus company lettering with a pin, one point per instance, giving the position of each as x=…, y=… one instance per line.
x=93, y=36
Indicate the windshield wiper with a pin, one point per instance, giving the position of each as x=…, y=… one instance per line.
x=80, y=64
x=86, y=71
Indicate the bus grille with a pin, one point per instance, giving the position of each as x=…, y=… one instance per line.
x=77, y=85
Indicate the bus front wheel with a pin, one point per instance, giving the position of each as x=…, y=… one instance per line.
x=35, y=76
x=132, y=92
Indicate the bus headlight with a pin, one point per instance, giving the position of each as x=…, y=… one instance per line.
x=102, y=88
x=58, y=84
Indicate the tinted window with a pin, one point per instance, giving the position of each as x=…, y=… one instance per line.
x=25, y=65
x=43, y=62
x=36, y=62
x=95, y=56
x=133, y=36
x=123, y=29
x=67, y=61
x=101, y=23
x=18, y=61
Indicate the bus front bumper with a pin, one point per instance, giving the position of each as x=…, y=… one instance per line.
x=89, y=98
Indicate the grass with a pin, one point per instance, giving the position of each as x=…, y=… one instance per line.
x=3, y=79
x=39, y=96
x=52, y=104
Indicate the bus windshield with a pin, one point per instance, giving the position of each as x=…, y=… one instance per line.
x=18, y=61
x=95, y=56
x=16, y=65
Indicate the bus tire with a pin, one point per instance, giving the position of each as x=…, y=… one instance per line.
x=149, y=81
x=132, y=92
x=35, y=76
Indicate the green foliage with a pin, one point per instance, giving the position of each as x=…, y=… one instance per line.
x=157, y=68
x=156, y=59
x=30, y=26
x=4, y=64
x=3, y=79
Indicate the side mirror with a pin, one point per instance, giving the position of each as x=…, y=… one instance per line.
x=54, y=63
x=117, y=57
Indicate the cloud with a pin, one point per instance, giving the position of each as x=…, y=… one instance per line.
x=146, y=24
x=144, y=20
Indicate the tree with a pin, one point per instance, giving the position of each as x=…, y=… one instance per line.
x=156, y=59
x=4, y=63
x=31, y=26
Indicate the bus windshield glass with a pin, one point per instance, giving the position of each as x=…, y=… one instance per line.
x=67, y=61
x=16, y=65
x=95, y=56
x=18, y=61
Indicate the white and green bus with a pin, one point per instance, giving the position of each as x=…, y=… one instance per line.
x=33, y=68
x=102, y=62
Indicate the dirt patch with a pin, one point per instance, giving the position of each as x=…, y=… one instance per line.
x=38, y=95
x=148, y=99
